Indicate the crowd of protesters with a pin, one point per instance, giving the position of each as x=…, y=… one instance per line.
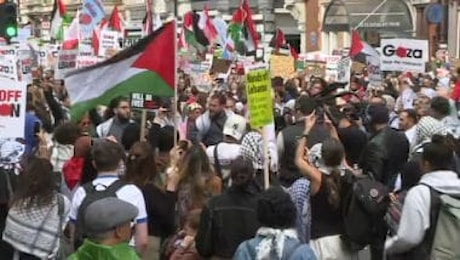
x=193, y=187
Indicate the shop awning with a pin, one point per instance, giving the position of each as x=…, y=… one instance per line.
x=379, y=15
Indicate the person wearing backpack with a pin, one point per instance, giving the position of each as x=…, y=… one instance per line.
x=107, y=156
x=325, y=170
x=277, y=238
x=430, y=223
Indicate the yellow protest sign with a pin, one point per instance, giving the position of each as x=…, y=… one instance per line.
x=258, y=88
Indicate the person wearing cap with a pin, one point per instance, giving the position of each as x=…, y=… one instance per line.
x=108, y=223
x=106, y=156
x=222, y=154
x=384, y=156
x=287, y=140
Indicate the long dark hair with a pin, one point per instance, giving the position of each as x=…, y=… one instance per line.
x=194, y=170
x=140, y=166
x=37, y=185
x=332, y=153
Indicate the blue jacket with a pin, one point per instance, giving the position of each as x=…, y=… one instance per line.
x=293, y=250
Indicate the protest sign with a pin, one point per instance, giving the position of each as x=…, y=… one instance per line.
x=12, y=108
x=9, y=51
x=145, y=101
x=373, y=65
x=315, y=68
x=87, y=61
x=8, y=68
x=404, y=55
x=343, y=70
x=258, y=89
x=66, y=62
x=331, y=72
x=108, y=41
x=199, y=75
x=25, y=64
x=282, y=66
x=91, y=14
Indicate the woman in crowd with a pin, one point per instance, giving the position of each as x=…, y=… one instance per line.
x=326, y=189
x=277, y=238
x=160, y=201
x=231, y=218
x=38, y=213
x=198, y=182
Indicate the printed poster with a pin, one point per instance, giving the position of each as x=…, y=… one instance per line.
x=12, y=108
x=8, y=68
x=343, y=70
x=259, y=93
x=404, y=55
x=108, y=42
x=66, y=62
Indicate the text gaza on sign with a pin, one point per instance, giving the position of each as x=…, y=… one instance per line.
x=402, y=52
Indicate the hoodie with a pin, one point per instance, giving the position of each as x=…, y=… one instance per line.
x=90, y=250
x=415, y=218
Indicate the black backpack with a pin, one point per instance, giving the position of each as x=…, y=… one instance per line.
x=364, y=204
x=92, y=195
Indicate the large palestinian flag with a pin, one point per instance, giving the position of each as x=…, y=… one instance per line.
x=147, y=67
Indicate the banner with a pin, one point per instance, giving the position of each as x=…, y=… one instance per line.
x=343, y=70
x=91, y=14
x=259, y=93
x=108, y=41
x=12, y=108
x=8, y=68
x=66, y=62
x=404, y=55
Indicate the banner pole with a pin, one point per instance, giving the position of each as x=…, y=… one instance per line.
x=266, y=160
x=175, y=83
x=143, y=125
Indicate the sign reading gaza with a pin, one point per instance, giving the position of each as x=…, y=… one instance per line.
x=404, y=55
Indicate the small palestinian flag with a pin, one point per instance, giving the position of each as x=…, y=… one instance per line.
x=147, y=67
x=59, y=17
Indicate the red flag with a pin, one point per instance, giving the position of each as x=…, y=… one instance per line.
x=115, y=20
x=293, y=52
x=251, y=26
x=95, y=42
x=356, y=44
x=280, y=40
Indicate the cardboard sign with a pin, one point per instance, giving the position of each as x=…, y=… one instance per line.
x=8, y=68
x=315, y=69
x=67, y=61
x=282, y=66
x=404, y=55
x=220, y=66
x=258, y=89
x=12, y=108
x=145, y=101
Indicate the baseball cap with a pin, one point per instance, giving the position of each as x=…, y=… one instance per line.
x=235, y=126
x=108, y=213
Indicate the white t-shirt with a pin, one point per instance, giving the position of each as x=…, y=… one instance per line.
x=129, y=193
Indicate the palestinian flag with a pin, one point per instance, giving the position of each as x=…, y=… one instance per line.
x=59, y=17
x=147, y=67
x=242, y=30
x=188, y=35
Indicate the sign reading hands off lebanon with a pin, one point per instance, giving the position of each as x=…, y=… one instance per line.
x=12, y=108
x=404, y=55
x=258, y=88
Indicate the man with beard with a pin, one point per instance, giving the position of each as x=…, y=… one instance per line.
x=209, y=126
x=116, y=125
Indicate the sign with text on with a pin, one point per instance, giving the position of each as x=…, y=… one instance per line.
x=258, y=88
x=12, y=108
x=145, y=101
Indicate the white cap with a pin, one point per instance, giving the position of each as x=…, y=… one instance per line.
x=235, y=126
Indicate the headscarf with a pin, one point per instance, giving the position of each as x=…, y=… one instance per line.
x=315, y=158
x=273, y=239
x=252, y=149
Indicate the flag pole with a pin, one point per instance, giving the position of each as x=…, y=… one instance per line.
x=175, y=82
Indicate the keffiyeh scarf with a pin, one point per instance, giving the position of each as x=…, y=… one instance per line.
x=273, y=239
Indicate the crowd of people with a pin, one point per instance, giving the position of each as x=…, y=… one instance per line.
x=193, y=187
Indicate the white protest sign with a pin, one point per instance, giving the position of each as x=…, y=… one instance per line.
x=12, y=108
x=87, y=61
x=332, y=62
x=343, y=70
x=25, y=63
x=199, y=75
x=66, y=62
x=374, y=70
x=8, y=68
x=9, y=51
x=108, y=41
x=404, y=55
